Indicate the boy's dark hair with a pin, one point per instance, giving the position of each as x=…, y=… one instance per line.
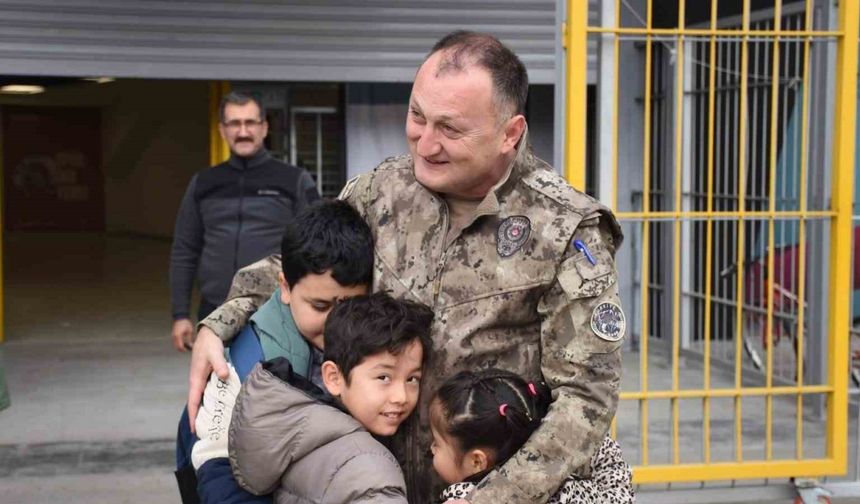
x=328, y=235
x=471, y=405
x=366, y=325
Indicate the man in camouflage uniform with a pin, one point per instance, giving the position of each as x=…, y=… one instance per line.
x=517, y=266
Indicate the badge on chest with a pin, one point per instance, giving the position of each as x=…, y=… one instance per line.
x=512, y=234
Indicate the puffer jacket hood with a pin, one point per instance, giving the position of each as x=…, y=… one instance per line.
x=288, y=437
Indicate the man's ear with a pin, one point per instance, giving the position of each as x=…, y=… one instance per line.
x=222, y=131
x=476, y=460
x=332, y=378
x=514, y=129
x=285, y=288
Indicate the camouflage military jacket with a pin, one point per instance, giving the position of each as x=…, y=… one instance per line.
x=529, y=286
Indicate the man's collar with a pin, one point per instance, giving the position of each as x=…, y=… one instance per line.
x=260, y=157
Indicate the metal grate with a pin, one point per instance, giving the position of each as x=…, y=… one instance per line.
x=732, y=166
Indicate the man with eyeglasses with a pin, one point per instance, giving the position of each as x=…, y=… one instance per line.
x=232, y=214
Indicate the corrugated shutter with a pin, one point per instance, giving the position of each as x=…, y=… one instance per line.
x=310, y=40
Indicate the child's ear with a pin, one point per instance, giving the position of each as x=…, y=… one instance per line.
x=332, y=378
x=476, y=460
x=285, y=288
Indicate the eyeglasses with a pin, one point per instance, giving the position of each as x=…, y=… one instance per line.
x=238, y=123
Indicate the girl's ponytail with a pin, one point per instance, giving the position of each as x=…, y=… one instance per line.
x=492, y=409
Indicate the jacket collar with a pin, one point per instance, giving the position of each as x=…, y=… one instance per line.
x=242, y=163
x=490, y=204
x=282, y=369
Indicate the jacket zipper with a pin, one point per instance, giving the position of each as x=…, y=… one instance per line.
x=412, y=448
x=443, y=254
x=239, y=227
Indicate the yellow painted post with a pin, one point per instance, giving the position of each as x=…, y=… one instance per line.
x=577, y=93
x=645, y=281
x=218, y=149
x=709, y=236
x=739, y=286
x=676, y=249
x=842, y=232
x=801, y=269
x=771, y=229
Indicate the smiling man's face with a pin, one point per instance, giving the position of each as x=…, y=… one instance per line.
x=458, y=141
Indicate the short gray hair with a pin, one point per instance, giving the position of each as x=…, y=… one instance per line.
x=237, y=98
x=509, y=75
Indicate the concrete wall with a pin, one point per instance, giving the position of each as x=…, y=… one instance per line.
x=154, y=138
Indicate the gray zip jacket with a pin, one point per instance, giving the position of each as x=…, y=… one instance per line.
x=232, y=215
x=287, y=437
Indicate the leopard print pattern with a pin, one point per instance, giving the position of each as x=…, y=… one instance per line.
x=610, y=482
x=457, y=491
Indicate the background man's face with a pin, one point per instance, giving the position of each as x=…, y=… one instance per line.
x=243, y=129
x=453, y=130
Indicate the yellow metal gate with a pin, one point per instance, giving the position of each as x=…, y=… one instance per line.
x=219, y=151
x=722, y=239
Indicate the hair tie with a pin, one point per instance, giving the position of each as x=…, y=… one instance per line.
x=532, y=389
x=503, y=408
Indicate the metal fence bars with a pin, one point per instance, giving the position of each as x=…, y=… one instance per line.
x=726, y=149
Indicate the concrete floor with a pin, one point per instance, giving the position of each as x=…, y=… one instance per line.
x=97, y=387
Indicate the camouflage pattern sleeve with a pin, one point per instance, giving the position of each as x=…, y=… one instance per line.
x=252, y=286
x=582, y=327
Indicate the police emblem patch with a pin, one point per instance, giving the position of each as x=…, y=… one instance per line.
x=512, y=234
x=607, y=322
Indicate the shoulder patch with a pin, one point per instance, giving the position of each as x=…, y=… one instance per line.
x=607, y=321
x=348, y=188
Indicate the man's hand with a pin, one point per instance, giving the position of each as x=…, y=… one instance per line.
x=207, y=355
x=183, y=334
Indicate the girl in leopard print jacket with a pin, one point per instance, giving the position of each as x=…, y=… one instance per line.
x=479, y=419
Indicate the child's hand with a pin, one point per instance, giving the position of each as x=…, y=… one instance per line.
x=456, y=501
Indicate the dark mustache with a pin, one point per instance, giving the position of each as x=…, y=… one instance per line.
x=244, y=139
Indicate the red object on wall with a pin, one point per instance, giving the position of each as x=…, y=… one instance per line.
x=52, y=172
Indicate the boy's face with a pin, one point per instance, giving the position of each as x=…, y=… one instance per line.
x=383, y=388
x=311, y=300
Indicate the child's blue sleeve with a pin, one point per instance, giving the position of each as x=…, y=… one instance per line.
x=245, y=352
x=216, y=485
